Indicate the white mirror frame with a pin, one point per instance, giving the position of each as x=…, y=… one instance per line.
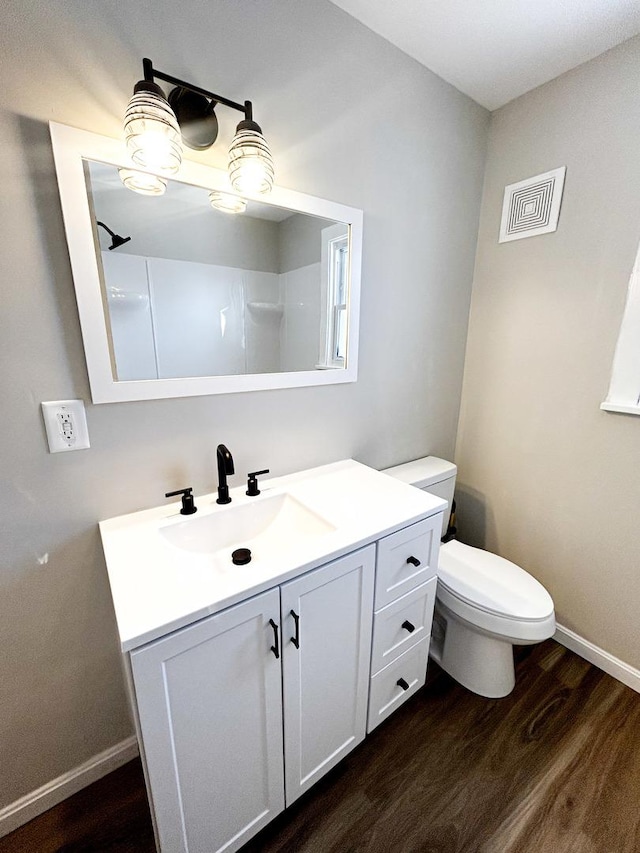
x=70, y=148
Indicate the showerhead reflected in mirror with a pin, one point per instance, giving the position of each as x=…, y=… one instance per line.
x=200, y=300
x=117, y=240
x=202, y=292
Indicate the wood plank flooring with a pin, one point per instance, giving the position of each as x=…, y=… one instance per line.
x=553, y=768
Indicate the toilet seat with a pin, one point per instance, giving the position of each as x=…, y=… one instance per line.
x=491, y=583
x=494, y=594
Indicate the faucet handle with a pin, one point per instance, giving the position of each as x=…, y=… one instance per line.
x=252, y=483
x=188, y=506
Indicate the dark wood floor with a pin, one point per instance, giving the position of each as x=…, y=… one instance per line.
x=553, y=768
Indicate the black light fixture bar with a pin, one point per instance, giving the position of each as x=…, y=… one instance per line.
x=187, y=117
x=150, y=73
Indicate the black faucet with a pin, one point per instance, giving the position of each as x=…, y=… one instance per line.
x=188, y=506
x=225, y=467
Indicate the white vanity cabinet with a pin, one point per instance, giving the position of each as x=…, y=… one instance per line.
x=210, y=704
x=249, y=682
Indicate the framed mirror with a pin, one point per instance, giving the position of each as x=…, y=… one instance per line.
x=178, y=298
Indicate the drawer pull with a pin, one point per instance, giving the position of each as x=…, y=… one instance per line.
x=408, y=626
x=275, y=649
x=414, y=561
x=402, y=683
x=296, y=640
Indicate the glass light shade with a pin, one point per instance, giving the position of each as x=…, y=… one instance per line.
x=226, y=202
x=152, y=133
x=250, y=162
x=142, y=182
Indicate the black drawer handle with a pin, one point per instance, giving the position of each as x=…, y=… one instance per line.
x=414, y=561
x=275, y=649
x=402, y=683
x=296, y=640
x=408, y=626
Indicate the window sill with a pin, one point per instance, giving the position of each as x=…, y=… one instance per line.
x=618, y=407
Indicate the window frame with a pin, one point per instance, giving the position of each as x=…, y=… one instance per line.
x=624, y=387
x=333, y=238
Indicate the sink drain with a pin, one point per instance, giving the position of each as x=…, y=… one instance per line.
x=241, y=556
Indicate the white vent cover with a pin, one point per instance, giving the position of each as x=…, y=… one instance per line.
x=532, y=206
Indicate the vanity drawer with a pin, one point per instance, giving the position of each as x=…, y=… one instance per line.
x=402, y=624
x=385, y=694
x=396, y=569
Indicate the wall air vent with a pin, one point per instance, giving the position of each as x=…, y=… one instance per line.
x=532, y=206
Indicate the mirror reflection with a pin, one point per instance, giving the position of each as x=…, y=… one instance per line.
x=191, y=291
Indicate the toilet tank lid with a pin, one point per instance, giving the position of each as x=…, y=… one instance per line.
x=423, y=472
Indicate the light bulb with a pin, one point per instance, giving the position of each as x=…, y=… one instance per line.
x=151, y=130
x=226, y=202
x=142, y=182
x=250, y=162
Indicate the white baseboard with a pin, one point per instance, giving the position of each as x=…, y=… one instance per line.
x=598, y=657
x=54, y=792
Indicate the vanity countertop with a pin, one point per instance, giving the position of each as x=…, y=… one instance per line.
x=158, y=587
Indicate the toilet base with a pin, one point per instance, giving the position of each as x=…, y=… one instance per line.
x=481, y=663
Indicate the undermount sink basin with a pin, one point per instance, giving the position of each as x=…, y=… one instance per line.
x=266, y=526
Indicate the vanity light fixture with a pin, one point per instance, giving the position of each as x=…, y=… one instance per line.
x=142, y=182
x=116, y=239
x=155, y=128
x=226, y=202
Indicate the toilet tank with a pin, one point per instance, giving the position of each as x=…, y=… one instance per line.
x=434, y=475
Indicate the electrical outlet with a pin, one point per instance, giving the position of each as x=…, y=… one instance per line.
x=66, y=425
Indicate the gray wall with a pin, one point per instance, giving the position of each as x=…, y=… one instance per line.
x=546, y=478
x=301, y=241
x=349, y=118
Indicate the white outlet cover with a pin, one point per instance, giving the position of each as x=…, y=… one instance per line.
x=66, y=425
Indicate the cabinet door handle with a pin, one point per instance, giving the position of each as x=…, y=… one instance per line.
x=296, y=640
x=408, y=626
x=402, y=683
x=414, y=561
x=275, y=649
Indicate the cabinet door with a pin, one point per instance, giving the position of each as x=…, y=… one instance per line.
x=328, y=613
x=210, y=712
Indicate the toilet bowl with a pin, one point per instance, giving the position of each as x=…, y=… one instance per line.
x=484, y=604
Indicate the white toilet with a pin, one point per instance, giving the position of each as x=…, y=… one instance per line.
x=484, y=604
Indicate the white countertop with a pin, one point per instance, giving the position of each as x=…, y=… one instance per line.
x=158, y=587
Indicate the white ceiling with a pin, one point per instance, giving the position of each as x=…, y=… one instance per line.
x=496, y=50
